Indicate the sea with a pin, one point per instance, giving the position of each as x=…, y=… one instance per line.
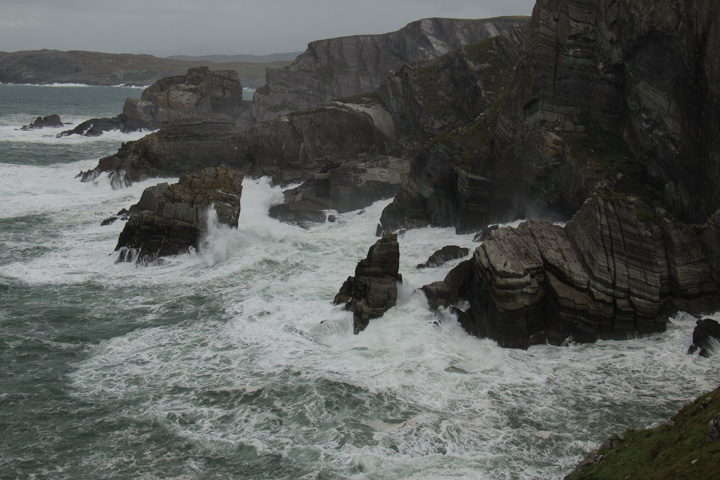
x=232, y=362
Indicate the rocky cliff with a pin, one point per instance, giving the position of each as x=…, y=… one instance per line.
x=173, y=218
x=345, y=66
x=613, y=91
x=614, y=271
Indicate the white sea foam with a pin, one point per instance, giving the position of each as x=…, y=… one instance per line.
x=48, y=136
x=279, y=372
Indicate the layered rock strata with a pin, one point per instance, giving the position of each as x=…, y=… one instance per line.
x=171, y=220
x=373, y=289
x=183, y=146
x=345, y=66
x=201, y=94
x=607, y=91
x=606, y=274
x=706, y=337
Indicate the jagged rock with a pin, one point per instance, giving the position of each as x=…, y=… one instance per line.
x=303, y=211
x=187, y=146
x=428, y=98
x=445, y=254
x=484, y=234
x=705, y=337
x=95, y=127
x=598, y=277
x=373, y=289
x=345, y=66
x=201, y=94
x=171, y=219
x=51, y=121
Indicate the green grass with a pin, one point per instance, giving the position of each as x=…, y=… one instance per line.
x=677, y=450
x=365, y=98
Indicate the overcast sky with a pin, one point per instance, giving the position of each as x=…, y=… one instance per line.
x=200, y=27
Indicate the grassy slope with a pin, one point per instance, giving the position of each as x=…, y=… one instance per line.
x=676, y=450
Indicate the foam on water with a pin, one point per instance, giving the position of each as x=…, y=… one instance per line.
x=278, y=378
x=10, y=132
x=232, y=362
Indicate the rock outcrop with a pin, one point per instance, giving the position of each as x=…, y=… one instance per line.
x=187, y=146
x=373, y=289
x=345, y=66
x=444, y=255
x=606, y=91
x=171, y=220
x=200, y=95
x=706, y=337
x=613, y=271
x=51, y=121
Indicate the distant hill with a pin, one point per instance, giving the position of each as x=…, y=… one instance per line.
x=274, y=57
x=96, y=68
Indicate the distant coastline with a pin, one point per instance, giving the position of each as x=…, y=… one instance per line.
x=48, y=67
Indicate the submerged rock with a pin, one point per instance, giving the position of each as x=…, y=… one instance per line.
x=170, y=219
x=373, y=289
x=51, y=121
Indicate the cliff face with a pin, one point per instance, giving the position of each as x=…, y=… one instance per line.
x=346, y=66
x=614, y=91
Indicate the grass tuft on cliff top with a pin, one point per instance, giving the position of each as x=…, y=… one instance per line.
x=676, y=450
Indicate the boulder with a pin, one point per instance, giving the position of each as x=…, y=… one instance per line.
x=606, y=274
x=171, y=219
x=705, y=337
x=51, y=121
x=373, y=289
x=445, y=254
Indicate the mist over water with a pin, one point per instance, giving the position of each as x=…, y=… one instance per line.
x=232, y=362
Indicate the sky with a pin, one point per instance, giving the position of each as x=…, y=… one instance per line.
x=203, y=27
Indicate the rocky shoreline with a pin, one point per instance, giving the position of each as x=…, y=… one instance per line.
x=602, y=116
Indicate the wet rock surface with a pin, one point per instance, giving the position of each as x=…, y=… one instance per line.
x=444, y=255
x=600, y=276
x=373, y=289
x=171, y=219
